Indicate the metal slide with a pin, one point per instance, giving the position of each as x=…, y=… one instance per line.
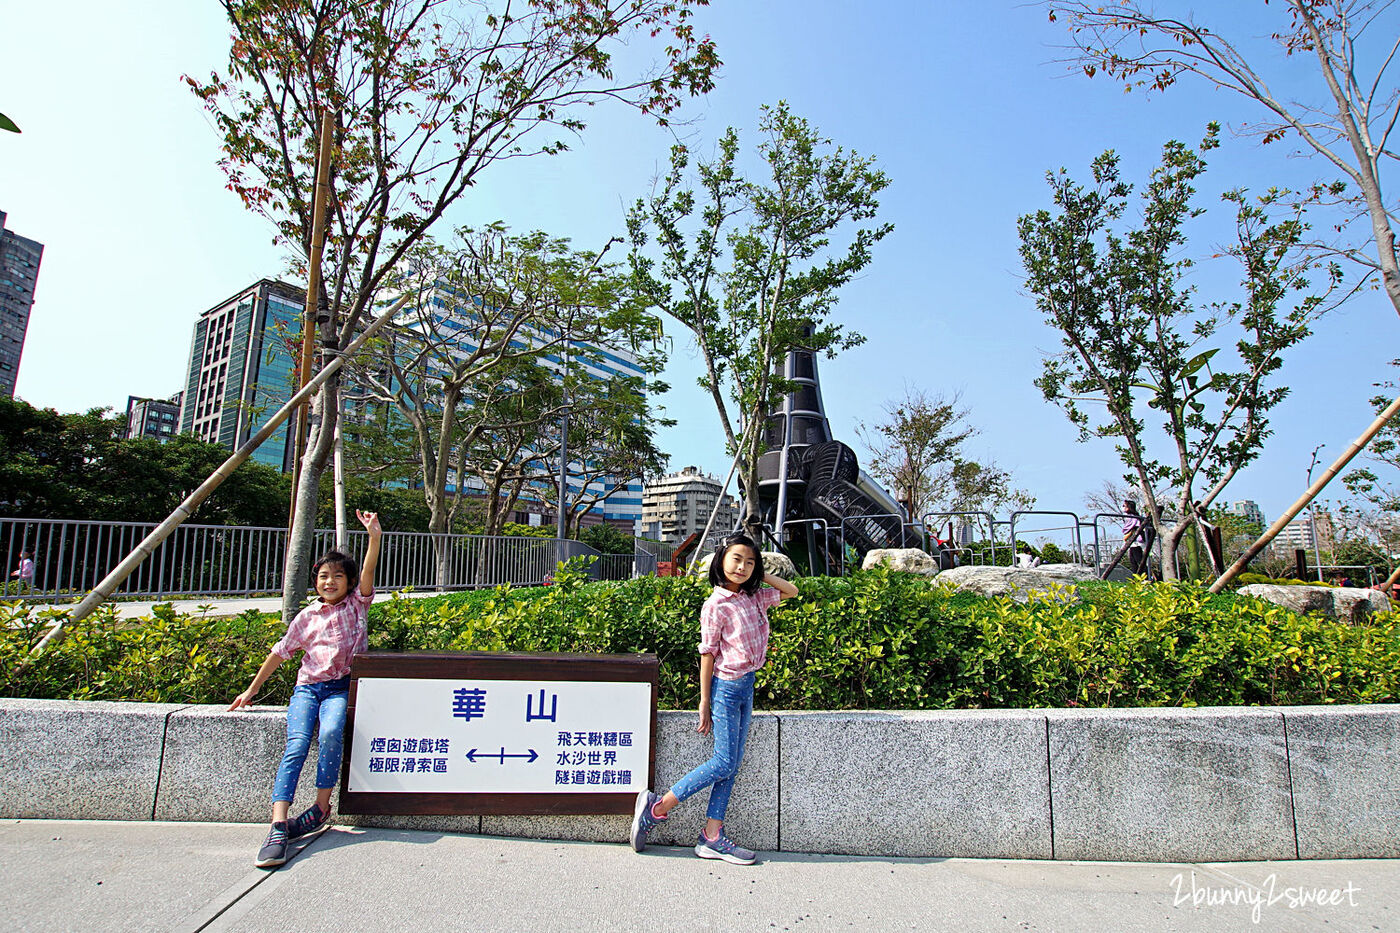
x=811, y=489
x=850, y=502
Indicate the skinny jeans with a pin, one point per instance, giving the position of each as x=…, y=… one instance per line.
x=322, y=703
x=731, y=708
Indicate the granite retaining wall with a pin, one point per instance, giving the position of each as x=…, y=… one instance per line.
x=1206, y=784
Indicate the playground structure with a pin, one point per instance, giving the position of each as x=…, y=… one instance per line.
x=813, y=496
x=821, y=509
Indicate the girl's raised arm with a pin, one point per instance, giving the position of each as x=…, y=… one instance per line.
x=371, y=522
x=785, y=589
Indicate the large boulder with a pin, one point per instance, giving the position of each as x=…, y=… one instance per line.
x=1015, y=582
x=780, y=565
x=908, y=559
x=1349, y=603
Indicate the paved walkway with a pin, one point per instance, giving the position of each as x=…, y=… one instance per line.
x=221, y=605
x=188, y=877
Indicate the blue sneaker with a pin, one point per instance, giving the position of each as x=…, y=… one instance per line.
x=274, y=849
x=724, y=848
x=642, y=819
x=312, y=821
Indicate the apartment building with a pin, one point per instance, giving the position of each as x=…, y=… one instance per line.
x=680, y=504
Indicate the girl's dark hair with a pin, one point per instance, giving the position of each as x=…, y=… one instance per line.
x=344, y=561
x=1130, y=506
x=755, y=580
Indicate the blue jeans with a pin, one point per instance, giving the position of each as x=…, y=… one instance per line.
x=731, y=708
x=324, y=701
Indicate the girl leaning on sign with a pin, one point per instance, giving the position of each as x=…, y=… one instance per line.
x=331, y=632
x=733, y=644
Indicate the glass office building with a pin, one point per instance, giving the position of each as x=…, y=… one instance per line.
x=19, y=272
x=240, y=371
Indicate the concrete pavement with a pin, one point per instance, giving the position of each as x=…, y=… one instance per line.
x=188, y=877
x=214, y=605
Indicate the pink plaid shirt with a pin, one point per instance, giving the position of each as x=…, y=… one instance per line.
x=734, y=628
x=330, y=636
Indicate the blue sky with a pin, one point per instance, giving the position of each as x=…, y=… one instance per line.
x=964, y=108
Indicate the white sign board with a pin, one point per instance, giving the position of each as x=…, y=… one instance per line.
x=416, y=735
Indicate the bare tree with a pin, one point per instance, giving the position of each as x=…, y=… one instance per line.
x=1348, y=122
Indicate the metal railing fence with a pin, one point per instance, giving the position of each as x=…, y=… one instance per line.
x=72, y=557
x=984, y=555
x=1111, y=540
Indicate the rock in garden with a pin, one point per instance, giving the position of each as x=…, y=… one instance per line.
x=1349, y=603
x=780, y=565
x=1013, y=581
x=908, y=559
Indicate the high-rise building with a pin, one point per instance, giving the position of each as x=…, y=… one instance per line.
x=1296, y=534
x=459, y=317
x=1248, y=510
x=19, y=272
x=241, y=368
x=153, y=417
x=1299, y=532
x=242, y=363
x=681, y=504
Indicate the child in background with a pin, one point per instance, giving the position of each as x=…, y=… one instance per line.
x=331, y=632
x=733, y=644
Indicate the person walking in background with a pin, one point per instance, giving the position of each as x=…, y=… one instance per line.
x=331, y=632
x=1133, y=533
x=733, y=645
x=24, y=573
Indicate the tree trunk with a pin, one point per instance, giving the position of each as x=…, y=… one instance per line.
x=437, y=527
x=319, y=445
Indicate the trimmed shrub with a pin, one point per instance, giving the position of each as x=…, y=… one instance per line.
x=879, y=639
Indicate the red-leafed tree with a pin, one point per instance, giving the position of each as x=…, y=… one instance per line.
x=426, y=95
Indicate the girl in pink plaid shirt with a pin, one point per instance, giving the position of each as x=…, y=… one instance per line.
x=733, y=643
x=331, y=632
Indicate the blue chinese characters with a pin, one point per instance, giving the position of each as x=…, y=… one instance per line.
x=468, y=704
x=396, y=755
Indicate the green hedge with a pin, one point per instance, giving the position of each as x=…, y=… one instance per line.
x=879, y=639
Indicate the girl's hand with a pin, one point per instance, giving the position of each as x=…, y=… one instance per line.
x=243, y=699
x=705, y=724
x=370, y=520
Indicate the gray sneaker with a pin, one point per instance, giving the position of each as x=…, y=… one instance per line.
x=643, y=820
x=724, y=848
x=274, y=850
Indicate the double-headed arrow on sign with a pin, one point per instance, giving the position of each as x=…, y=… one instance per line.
x=501, y=756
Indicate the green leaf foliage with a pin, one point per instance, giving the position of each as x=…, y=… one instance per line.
x=1136, y=339
x=80, y=466
x=752, y=266
x=878, y=639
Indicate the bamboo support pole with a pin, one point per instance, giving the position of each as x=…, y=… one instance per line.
x=312, y=305
x=1356, y=447
x=186, y=508
x=342, y=536
x=719, y=500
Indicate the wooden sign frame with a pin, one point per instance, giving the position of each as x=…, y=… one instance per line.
x=483, y=665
